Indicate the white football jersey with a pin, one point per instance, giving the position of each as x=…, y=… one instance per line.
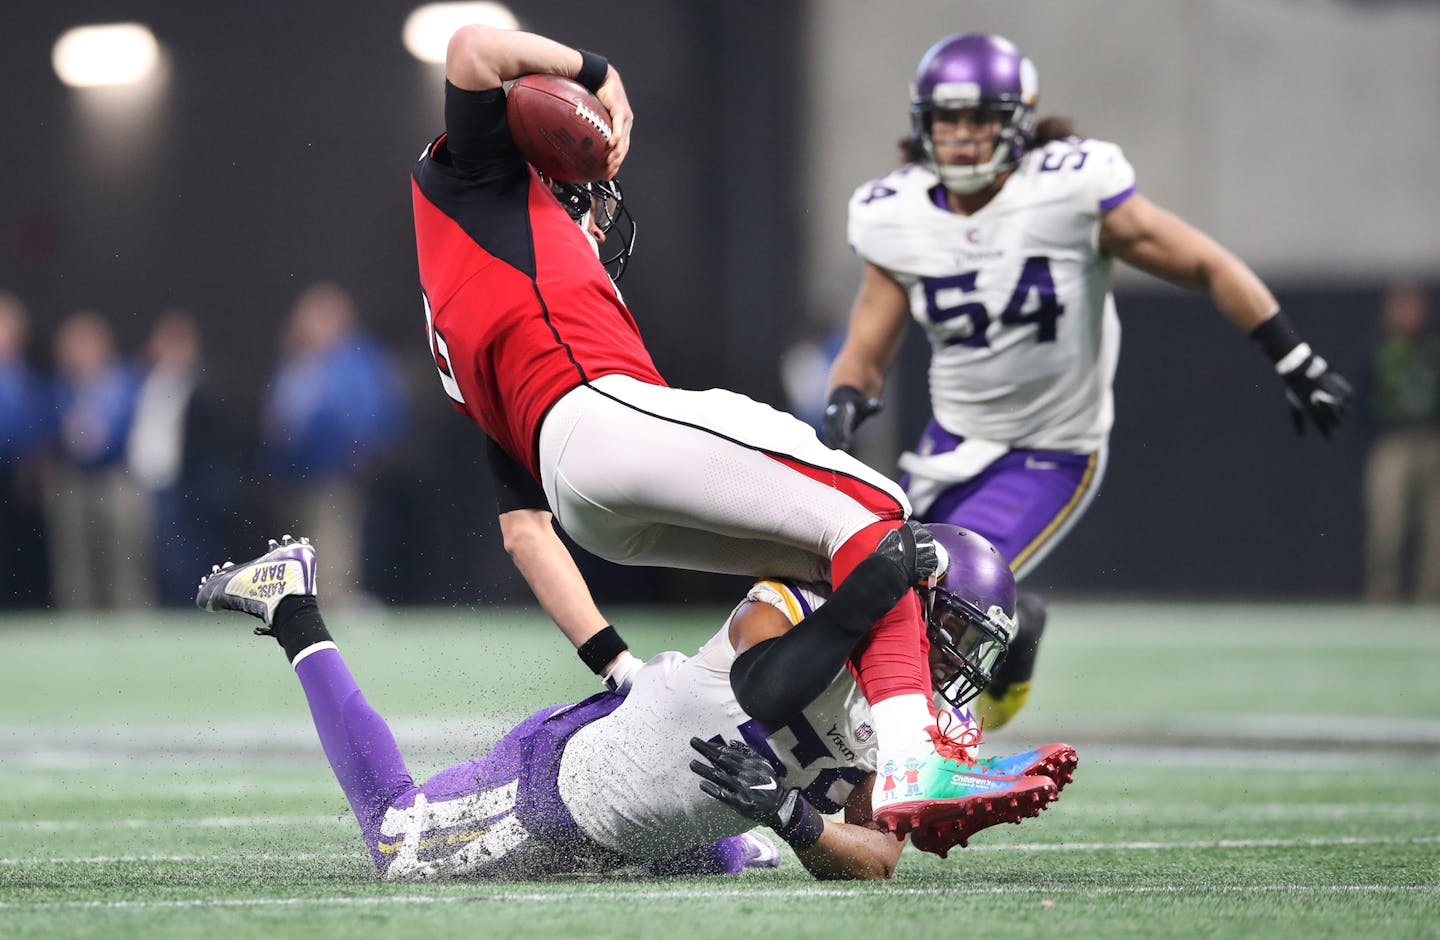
x=1015, y=298
x=626, y=778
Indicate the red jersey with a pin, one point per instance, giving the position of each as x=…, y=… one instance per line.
x=519, y=309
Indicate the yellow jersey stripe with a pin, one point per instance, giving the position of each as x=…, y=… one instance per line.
x=1060, y=517
x=792, y=605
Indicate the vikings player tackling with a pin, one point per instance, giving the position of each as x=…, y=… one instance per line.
x=999, y=241
x=534, y=345
x=613, y=781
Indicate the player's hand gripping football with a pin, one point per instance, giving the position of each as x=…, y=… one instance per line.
x=915, y=550
x=745, y=781
x=847, y=408
x=1317, y=394
x=612, y=96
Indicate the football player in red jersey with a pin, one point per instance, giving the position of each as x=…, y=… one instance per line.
x=534, y=344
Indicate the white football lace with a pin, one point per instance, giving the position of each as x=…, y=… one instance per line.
x=593, y=118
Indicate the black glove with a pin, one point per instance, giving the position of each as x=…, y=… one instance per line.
x=750, y=785
x=847, y=408
x=1315, y=392
x=915, y=550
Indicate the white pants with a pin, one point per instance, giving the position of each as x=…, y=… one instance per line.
x=641, y=474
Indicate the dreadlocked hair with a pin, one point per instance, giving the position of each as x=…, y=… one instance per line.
x=1047, y=130
x=1052, y=128
x=911, y=150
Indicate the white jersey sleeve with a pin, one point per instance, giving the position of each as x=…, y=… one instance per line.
x=626, y=778
x=1014, y=298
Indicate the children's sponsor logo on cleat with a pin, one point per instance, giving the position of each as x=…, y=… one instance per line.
x=975, y=783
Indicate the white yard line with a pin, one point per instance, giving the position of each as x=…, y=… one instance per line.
x=204, y=822
x=612, y=892
x=1257, y=742
x=1264, y=811
x=1245, y=730
x=1317, y=842
x=236, y=857
x=1129, y=809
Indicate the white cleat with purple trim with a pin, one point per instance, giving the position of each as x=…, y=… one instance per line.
x=257, y=587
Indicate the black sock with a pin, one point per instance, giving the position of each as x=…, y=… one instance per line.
x=1019, y=663
x=297, y=625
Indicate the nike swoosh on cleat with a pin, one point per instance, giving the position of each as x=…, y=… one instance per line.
x=767, y=786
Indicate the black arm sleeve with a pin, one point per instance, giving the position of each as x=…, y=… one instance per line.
x=515, y=488
x=477, y=134
x=775, y=679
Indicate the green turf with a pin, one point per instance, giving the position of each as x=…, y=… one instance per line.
x=158, y=778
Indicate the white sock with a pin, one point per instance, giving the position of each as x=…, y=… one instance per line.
x=900, y=723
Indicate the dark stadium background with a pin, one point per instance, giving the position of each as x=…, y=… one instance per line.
x=279, y=154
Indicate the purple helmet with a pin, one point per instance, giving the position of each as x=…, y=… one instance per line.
x=979, y=71
x=970, y=614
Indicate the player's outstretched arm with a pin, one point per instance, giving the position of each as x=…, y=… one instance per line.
x=1141, y=233
x=856, y=848
x=480, y=58
x=878, y=318
x=550, y=570
x=749, y=784
x=1159, y=242
x=528, y=530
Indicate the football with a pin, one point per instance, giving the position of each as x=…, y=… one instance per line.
x=559, y=127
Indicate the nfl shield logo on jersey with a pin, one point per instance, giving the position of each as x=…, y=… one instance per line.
x=863, y=732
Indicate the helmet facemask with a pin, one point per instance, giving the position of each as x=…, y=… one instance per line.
x=969, y=643
x=602, y=204
x=1017, y=125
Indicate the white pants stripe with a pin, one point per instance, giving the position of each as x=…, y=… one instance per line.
x=646, y=475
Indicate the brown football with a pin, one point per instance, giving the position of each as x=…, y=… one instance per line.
x=559, y=127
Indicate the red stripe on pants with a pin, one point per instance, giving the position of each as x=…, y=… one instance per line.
x=874, y=499
x=895, y=658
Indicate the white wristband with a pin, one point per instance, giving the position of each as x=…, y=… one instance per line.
x=1293, y=359
x=618, y=679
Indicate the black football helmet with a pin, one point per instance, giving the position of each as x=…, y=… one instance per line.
x=607, y=203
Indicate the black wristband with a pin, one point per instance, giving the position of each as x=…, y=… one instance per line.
x=593, y=69
x=600, y=649
x=805, y=826
x=1276, y=336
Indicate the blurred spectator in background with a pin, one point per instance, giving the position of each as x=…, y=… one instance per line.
x=805, y=370
x=1402, y=476
x=333, y=408
x=98, y=528
x=180, y=453
x=27, y=417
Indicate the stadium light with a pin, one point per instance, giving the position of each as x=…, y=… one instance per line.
x=428, y=28
x=105, y=54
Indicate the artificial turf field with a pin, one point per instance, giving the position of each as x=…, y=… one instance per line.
x=1244, y=770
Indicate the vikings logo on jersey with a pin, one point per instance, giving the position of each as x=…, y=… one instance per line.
x=1015, y=298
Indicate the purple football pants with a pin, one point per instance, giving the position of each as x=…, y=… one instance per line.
x=1024, y=503
x=512, y=788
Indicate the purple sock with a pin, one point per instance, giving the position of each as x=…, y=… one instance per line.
x=357, y=742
